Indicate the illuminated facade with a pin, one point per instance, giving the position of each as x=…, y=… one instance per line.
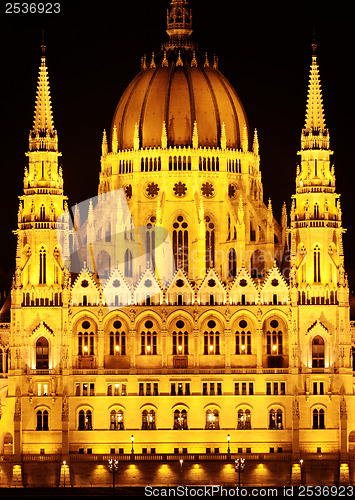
x=250, y=339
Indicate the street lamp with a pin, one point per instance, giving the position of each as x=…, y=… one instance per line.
x=228, y=440
x=113, y=466
x=301, y=463
x=64, y=464
x=132, y=439
x=239, y=467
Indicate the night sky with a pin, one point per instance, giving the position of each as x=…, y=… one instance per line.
x=94, y=50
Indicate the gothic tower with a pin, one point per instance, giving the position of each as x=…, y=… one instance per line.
x=40, y=290
x=319, y=290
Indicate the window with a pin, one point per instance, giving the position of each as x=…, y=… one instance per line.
x=211, y=339
x=232, y=263
x=275, y=419
x=128, y=271
x=274, y=338
x=42, y=213
x=210, y=242
x=316, y=264
x=316, y=211
x=148, y=339
x=42, y=420
x=212, y=419
x=150, y=243
x=148, y=420
x=181, y=244
x=116, y=420
x=243, y=338
x=180, y=339
x=243, y=388
x=85, y=420
x=318, y=352
x=212, y=388
x=42, y=266
x=180, y=419
x=318, y=419
x=42, y=354
x=318, y=388
x=86, y=339
x=244, y=419
x=117, y=339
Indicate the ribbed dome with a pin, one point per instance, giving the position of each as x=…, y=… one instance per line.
x=178, y=87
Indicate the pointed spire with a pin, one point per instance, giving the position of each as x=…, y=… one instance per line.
x=195, y=136
x=193, y=60
x=206, y=64
x=315, y=134
x=256, y=143
x=152, y=64
x=104, y=146
x=114, y=140
x=223, y=136
x=179, y=61
x=136, y=137
x=165, y=62
x=164, y=137
x=43, y=136
x=240, y=210
x=245, y=142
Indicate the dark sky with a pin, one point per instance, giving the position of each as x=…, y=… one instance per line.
x=94, y=50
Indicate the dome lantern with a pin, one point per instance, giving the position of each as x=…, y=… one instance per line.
x=179, y=22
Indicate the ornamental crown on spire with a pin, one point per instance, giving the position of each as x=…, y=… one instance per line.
x=315, y=134
x=43, y=136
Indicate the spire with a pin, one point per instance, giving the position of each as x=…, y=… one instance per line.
x=104, y=146
x=315, y=134
x=43, y=136
x=179, y=23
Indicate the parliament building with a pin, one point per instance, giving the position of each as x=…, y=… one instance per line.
x=182, y=326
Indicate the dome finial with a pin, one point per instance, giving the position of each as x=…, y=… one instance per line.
x=314, y=43
x=179, y=21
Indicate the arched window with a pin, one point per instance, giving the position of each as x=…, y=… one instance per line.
x=211, y=338
x=42, y=354
x=212, y=419
x=128, y=270
x=42, y=213
x=42, y=266
x=318, y=352
x=316, y=264
x=86, y=339
x=318, y=419
x=243, y=338
x=180, y=339
x=150, y=243
x=1, y=361
x=257, y=264
x=180, y=419
x=148, y=420
x=232, y=263
x=116, y=420
x=244, y=419
x=117, y=339
x=210, y=242
x=42, y=420
x=274, y=338
x=316, y=211
x=85, y=420
x=181, y=244
x=148, y=339
x=275, y=419
x=103, y=263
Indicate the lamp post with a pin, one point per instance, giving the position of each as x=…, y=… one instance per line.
x=228, y=440
x=239, y=467
x=64, y=464
x=132, y=439
x=181, y=462
x=113, y=466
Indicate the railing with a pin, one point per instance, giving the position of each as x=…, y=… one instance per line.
x=168, y=457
